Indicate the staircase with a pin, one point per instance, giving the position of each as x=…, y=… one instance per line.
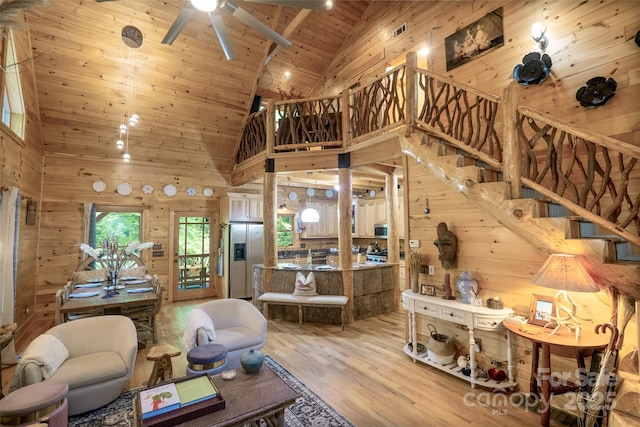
x=529, y=217
x=563, y=189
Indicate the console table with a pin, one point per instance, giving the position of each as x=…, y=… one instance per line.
x=473, y=317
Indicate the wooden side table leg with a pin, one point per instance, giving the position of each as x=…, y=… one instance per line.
x=546, y=385
x=533, y=383
x=162, y=370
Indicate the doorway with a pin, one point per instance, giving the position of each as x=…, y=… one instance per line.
x=194, y=266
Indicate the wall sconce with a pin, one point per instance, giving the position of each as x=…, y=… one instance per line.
x=538, y=35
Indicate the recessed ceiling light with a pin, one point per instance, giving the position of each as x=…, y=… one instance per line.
x=205, y=5
x=287, y=74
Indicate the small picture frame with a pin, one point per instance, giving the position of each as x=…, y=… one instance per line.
x=429, y=290
x=541, y=309
x=30, y=218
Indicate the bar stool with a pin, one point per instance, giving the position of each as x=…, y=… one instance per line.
x=35, y=403
x=209, y=358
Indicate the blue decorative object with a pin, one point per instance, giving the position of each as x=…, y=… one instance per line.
x=467, y=287
x=533, y=70
x=251, y=361
x=597, y=92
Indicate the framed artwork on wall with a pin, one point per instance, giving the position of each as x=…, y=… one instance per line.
x=31, y=213
x=476, y=39
x=541, y=309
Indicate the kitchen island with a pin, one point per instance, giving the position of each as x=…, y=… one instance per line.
x=373, y=290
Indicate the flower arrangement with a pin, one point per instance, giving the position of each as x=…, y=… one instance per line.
x=113, y=256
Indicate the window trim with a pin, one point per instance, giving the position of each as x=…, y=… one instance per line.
x=15, y=98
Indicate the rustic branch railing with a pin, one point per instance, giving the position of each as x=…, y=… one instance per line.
x=379, y=105
x=303, y=124
x=460, y=114
x=254, y=137
x=592, y=172
x=591, y=175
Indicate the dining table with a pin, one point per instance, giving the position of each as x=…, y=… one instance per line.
x=86, y=297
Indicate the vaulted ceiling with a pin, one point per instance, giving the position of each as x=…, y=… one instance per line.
x=191, y=100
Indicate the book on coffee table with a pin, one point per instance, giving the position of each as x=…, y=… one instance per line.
x=158, y=400
x=196, y=390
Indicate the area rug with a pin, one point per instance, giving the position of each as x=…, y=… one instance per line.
x=309, y=410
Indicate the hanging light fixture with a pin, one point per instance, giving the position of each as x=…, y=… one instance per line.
x=132, y=38
x=310, y=215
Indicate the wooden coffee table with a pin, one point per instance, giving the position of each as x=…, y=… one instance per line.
x=249, y=399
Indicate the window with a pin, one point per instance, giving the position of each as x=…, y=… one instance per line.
x=13, y=113
x=284, y=230
x=121, y=223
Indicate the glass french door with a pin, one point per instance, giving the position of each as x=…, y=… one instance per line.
x=195, y=258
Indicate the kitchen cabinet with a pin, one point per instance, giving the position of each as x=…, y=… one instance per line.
x=454, y=311
x=243, y=207
x=368, y=213
x=328, y=224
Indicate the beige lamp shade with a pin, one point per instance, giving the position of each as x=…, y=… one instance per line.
x=564, y=272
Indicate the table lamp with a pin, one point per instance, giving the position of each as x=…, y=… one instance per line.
x=565, y=273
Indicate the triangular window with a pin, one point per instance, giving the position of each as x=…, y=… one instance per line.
x=13, y=112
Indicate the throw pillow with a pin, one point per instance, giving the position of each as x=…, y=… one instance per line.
x=305, y=286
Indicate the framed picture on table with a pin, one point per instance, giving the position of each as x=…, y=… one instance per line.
x=541, y=310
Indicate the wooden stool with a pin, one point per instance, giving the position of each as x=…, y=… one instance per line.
x=162, y=369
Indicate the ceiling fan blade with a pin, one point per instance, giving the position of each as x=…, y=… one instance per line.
x=179, y=24
x=302, y=4
x=253, y=22
x=223, y=36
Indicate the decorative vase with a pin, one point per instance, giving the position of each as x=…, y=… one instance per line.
x=467, y=287
x=251, y=361
x=415, y=288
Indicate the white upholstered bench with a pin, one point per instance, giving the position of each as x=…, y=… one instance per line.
x=279, y=298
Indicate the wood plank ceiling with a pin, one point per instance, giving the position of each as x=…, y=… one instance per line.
x=192, y=102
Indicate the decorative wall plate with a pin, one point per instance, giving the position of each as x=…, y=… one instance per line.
x=191, y=191
x=124, y=189
x=99, y=186
x=170, y=190
x=310, y=192
x=208, y=192
x=293, y=196
x=372, y=193
x=329, y=194
x=147, y=189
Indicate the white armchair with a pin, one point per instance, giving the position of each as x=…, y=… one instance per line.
x=102, y=354
x=239, y=326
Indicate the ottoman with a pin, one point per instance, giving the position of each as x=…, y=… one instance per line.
x=209, y=358
x=34, y=403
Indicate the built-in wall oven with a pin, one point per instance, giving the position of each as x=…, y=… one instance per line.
x=380, y=230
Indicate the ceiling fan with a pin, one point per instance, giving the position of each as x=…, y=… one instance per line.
x=214, y=7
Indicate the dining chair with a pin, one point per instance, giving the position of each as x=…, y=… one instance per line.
x=62, y=295
x=144, y=316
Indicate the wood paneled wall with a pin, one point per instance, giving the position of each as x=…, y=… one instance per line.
x=21, y=166
x=587, y=39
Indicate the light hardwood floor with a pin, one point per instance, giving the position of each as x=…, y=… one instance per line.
x=362, y=372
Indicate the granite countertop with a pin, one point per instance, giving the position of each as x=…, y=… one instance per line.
x=325, y=267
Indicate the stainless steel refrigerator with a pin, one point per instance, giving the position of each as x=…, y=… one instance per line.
x=245, y=250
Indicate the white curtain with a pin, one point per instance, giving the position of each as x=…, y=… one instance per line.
x=8, y=246
x=86, y=226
